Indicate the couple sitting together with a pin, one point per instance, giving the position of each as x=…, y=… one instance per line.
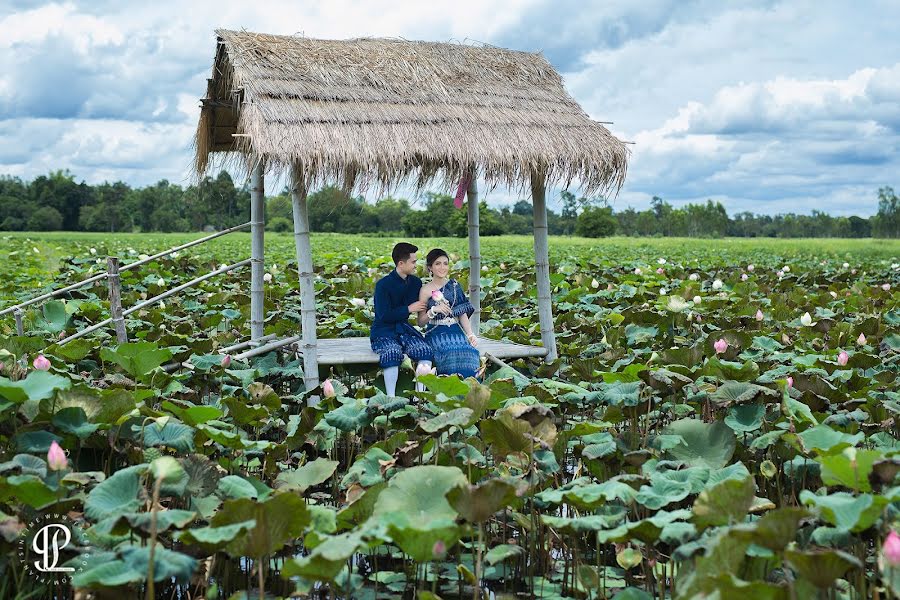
x=439, y=305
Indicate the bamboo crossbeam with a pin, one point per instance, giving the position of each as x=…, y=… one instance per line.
x=246, y=343
x=133, y=265
x=267, y=347
x=156, y=299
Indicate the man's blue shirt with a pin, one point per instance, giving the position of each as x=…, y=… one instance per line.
x=393, y=295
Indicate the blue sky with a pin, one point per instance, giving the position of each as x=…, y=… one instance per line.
x=766, y=106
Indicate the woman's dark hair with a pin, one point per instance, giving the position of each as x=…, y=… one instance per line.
x=433, y=255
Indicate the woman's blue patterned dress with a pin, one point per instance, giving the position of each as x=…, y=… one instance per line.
x=452, y=351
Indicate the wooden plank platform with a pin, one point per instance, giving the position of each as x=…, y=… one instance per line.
x=356, y=350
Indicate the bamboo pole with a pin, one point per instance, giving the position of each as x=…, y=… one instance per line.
x=155, y=299
x=247, y=343
x=115, y=298
x=474, y=253
x=307, y=288
x=542, y=263
x=20, y=326
x=144, y=261
x=267, y=347
x=257, y=251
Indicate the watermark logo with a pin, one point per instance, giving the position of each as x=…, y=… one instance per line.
x=47, y=544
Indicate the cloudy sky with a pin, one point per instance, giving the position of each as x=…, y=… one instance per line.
x=767, y=106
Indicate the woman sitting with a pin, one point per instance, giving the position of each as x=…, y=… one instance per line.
x=446, y=319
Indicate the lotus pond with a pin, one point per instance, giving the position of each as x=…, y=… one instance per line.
x=722, y=422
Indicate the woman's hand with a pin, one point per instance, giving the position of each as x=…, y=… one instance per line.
x=473, y=339
x=443, y=307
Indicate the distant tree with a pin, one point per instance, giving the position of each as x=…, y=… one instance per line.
x=886, y=222
x=596, y=222
x=279, y=225
x=46, y=218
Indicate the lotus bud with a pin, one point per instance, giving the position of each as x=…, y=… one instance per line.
x=699, y=318
x=843, y=357
x=422, y=369
x=853, y=271
x=162, y=306
x=861, y=340
x=750, y=268
x=806, y=319
x=721, y=346
x=267, y=277
x=891, y=549
x=846, y=265
x=328, y=389
x=174, y=255
x=36, y=251
x=693, y=277
x=661, y=261
x=93, y=251
x=637, y=271
x=56, y=457
x=744, y=277
x=41, y=363
x=786, y=269
x=595, y=284
x=358, y=302
x=484, y=268
x=886, y=287
x=160, y=282
x=439, y=549
x=717, y=284
x=790, y=381
x=502, y=266
x=660, y=271
x=697, y=299
x=437, y=295
x=759, y=315
x=663, y=291
x=833, y=294
x=226, y=361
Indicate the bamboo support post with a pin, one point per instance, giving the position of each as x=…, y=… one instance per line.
x=542, y=263
x=307, y=287
x=115, y=298
x=257, y=265
x=20, y=326
x=474, y=253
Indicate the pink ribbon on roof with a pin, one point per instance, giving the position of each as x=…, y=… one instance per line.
x=461, y=191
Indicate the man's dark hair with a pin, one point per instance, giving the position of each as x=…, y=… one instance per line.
x=402, y=251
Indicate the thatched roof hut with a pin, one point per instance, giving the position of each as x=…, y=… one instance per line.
x=384, y=111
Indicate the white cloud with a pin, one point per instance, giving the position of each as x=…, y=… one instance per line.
x=769, y=106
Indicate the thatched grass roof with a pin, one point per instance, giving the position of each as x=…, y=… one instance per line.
x=381, y=111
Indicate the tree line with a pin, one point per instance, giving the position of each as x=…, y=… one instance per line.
x=57, y=202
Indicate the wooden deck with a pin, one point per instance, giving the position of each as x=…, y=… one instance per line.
x=356, y=350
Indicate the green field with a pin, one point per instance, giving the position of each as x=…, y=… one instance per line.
x=711, y=430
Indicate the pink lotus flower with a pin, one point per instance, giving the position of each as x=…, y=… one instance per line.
x=759, y=315
x=861, y=340
x=790, y=382
x=439, y=549
x=226, y=361
x=750, y=268
x=660, y=271
x=41, y=363
x=699, y=318
x=328, y=389
x=744, y=277
x=886, y=287
x=437, y=296
x=56, y=457
x=721, y=346
x=843, y=357
x=891, y=549
x=423, y=369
